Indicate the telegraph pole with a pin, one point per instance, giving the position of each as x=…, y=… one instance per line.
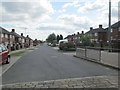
x=109, y=29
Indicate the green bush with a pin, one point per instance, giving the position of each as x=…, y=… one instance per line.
x=53, y=45
x=69, y=46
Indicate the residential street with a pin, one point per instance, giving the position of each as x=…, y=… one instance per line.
x=46, y=63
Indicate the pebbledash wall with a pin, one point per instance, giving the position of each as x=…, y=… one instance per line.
x=100, y=56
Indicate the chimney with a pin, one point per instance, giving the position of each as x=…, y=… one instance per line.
x=27, y=36
x=13, y=30
x=100, y=26
x=78, y=33
x=91, y=28
x=82, y=32
x=21, y=34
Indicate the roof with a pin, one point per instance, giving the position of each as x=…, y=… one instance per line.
x=28, y=38
x=15, y=34
x=23, y=36
x=68, y=36
x=96, y=30
x=4, y=31
x=116, y=25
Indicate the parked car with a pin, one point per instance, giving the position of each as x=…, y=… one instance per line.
x=49, y=44
x=4, y=54
x=61, y=44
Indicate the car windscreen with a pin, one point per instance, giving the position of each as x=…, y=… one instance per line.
x=3, y=48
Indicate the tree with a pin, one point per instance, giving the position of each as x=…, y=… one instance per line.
x=58, y=38
x=85, y=40
x=61, y=37
x=51, y=38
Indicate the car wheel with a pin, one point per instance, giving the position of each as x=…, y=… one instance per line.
x=7, y=62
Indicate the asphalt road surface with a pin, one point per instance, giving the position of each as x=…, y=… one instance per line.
x=45, y=63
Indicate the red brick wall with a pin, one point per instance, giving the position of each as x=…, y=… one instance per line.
x=102, y=36
x=115, y=33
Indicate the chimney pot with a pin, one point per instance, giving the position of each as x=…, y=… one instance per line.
x=13, y=30
x=100, y=26
x=91, y=28
x=82, y=32
x=21, y=34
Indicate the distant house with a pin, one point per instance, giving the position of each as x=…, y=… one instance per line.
x=22, y=40
x=36, y=42
x=18, y=40
x=69, y=38
x=98, y=34
x=75, y=38
x=28, y=41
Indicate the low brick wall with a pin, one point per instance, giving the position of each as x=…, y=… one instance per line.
x=81, y=52
x=104, y=57
x=110, y=58
x=93, y=54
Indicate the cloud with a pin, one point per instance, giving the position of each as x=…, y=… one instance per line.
x=92, y=6
x=74, y=3
x=24, y=11
x=75, y=21
x=53, y=26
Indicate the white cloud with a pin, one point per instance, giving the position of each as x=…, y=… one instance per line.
x=75, y=21
x=24, y=11
x=92, y=6
x=74, y=3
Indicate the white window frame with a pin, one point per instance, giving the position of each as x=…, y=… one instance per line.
x=2, y=35
x=96, y=34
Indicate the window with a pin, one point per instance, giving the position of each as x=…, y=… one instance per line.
x=10, y=36
x=6, y=36
x=111, y=30
x=96, y=34
x=2, y=35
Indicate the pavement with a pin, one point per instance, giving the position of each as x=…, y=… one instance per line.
x=87, y=82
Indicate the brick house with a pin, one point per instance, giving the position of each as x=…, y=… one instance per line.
x=36, y=42
x=28, y=41
x=98, y=35
x=115, y=31
x=115, y=34
x=6, y=38
x=22, y=40
x=18, y=40
x=74, y=38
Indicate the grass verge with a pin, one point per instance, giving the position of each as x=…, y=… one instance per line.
x=20, y=53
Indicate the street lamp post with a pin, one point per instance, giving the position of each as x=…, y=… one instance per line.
x=109, y=29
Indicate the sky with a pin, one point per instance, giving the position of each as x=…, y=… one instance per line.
x=39, y=18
